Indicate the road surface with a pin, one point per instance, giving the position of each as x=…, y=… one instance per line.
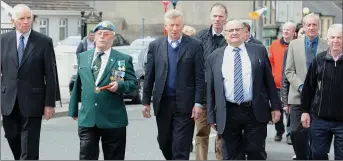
x=59, y=140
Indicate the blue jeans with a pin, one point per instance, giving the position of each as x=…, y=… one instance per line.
x=322, y=132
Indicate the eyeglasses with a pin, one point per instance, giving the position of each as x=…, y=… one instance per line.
x=232, y=30
x=103, y=34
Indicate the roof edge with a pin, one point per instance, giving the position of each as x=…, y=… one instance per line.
x=7, y=7
x=56, y=12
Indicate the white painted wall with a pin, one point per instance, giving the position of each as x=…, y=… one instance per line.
x=5, y=19
x=54, y=21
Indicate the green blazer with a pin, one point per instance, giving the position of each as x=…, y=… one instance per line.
x=105, y=109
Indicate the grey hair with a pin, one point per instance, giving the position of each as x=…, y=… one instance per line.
x=334, y=29
x=235, y=22
x=17, y=9
x=289, y=23
x=311, y=15
x=171, y=14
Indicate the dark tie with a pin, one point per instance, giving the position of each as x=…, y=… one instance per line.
x=97, y=65
x=309, y=54
x=238, y=77
x=21, y=49
x=218, y=39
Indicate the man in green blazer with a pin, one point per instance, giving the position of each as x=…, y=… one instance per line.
x=103, y=76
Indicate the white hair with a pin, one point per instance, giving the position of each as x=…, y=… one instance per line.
x=231, y=22
x=288, y=24
x=335, y=28
x=171, y=14
x=311, y=15
x=16, y=11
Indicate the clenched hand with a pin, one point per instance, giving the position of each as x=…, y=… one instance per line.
x=146, y=111
x=196, y=112
x=276, y=116
x=49, y=112
x=114, y=87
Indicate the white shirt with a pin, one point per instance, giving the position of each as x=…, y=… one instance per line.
x=104, y=60
x=228, y=73
x=26, y=38
x=90, y=45
x=175, y=43
x=215, y=33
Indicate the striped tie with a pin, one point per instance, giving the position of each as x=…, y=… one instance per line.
x=238, y=78
x=21, y=49
x=97, y=65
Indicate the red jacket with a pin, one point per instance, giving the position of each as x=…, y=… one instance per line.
x=276, y=55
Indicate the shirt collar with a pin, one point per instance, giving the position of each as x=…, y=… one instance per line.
x=26, y=35
x=179, y=40
x=215, y=33
x=241, y=47
x=107, y=52
x=315, y=40
x=336, y=57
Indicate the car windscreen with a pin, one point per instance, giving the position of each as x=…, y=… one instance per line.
x=71, y=42
x=141, y=42
x=134, y=53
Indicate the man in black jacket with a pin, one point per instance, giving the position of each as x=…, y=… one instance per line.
x=29, y=84
x=322, y=98
x=86, y=44
x=211, y=39
x=249, y=37
x=175, y=78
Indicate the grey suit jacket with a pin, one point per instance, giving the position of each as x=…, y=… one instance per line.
x=296, y=69
x=264, y=89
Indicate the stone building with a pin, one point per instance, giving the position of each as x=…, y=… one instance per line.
x=128, y=15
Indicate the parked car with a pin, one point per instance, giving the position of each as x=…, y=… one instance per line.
x=68, y=45
x=139, y=55
x=143, y=42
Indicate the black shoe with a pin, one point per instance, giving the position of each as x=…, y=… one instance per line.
x=289, y=141
x=278, y=138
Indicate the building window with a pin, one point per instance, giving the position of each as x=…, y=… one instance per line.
x=79, y=27
x=63, y=29
x=322, y=26
x=329, y=22
x=43, y=26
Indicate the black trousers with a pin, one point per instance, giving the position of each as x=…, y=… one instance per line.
x=22, y=134
x=113, y=143
x=175, y=131
x=300, y=136
x=279, y=126
x=236, y=144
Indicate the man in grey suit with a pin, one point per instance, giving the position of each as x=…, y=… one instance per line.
x=240, y=85
x=299, y=57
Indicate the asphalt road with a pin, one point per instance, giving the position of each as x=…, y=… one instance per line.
x=59, y=140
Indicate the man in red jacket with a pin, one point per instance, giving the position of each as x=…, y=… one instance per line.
x=276, y=56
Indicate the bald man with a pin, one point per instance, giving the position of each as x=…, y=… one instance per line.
x=240, y=86
x=29, y=86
